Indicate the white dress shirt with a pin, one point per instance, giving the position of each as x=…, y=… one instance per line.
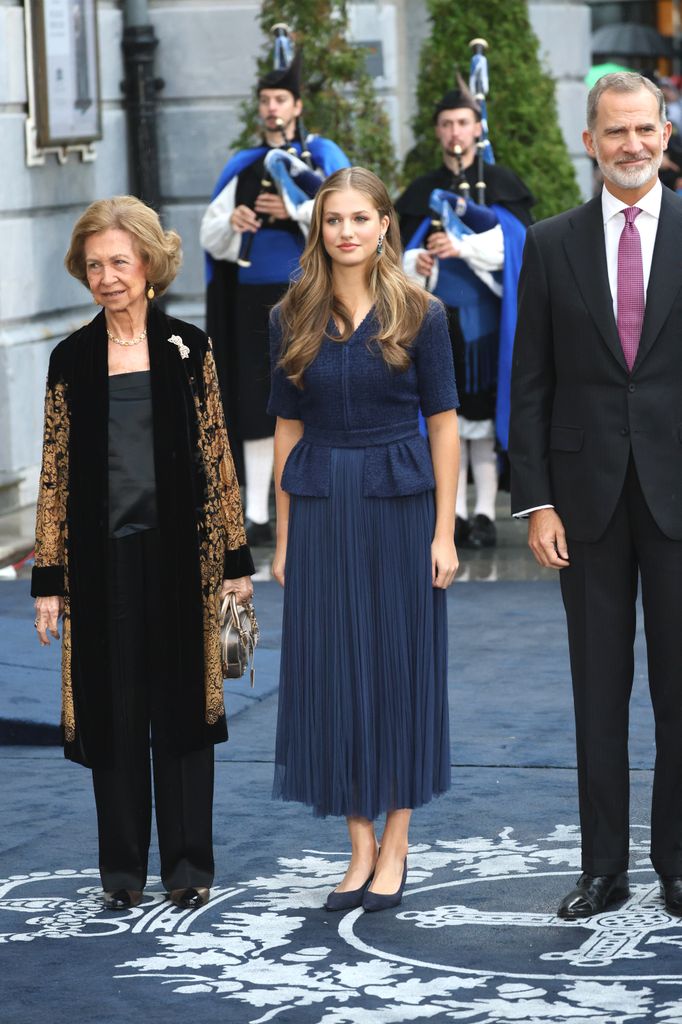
x=614, y=221
x=647, y=225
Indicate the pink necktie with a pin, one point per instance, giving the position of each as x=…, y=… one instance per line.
x=630, y=299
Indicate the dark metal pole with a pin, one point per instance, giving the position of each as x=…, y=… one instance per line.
x=141, y=88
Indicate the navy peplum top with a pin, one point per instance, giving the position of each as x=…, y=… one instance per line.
x=351, y=398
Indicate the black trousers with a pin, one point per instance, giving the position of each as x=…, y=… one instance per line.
x=183, y=784
x=599, y=592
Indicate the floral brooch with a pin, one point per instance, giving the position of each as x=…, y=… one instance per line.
x=176, y=340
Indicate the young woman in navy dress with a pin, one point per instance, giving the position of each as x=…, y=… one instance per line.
x=365, y=534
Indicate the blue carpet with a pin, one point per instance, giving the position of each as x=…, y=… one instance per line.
x=476, y=938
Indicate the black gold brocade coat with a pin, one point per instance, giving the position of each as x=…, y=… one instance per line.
x=200, y=525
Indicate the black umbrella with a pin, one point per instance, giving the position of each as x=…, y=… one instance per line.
x=627, y=39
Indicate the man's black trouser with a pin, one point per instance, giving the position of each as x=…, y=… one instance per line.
x=599, y=591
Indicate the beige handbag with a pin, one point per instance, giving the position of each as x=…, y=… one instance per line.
x=238, y=637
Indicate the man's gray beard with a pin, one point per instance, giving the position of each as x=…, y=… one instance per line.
x=633, y=178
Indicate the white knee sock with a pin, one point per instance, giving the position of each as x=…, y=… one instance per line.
x=258, y=463
x=461, y=506
x=484, y=470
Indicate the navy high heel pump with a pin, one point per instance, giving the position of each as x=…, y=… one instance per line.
x=347, y=900
x=374, y=901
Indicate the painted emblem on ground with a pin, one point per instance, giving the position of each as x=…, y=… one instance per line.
x=469, y=943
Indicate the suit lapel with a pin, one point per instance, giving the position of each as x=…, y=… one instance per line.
x=665, y=279
x=586, y=252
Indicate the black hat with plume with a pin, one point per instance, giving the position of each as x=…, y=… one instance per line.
x=457, y=99
x=286, y=73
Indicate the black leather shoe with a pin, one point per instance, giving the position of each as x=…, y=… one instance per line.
x=483, y=533
x=593, y=894
x=122, y=899
x=190, y=898
x=671, y=891
x=258, y=534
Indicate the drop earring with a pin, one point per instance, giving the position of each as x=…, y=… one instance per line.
x=380, y=245
x=150, y=292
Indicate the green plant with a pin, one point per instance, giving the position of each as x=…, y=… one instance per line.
x=522, y=112
x=338, y=93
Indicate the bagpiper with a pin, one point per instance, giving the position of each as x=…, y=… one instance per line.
x=253, y=233
x=468, y=254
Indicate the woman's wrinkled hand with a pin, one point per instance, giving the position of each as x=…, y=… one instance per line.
x=48, y=611
x=444, y=563
x=242, y=587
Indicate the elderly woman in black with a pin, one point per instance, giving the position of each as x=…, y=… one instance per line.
x=139, y=533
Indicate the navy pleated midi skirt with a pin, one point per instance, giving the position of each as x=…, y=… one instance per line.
x=362, y=724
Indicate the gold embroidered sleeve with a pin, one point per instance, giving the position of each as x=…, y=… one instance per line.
x=52, y=494
x=216, y=443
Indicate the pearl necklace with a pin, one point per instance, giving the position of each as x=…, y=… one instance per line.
x=126, y=344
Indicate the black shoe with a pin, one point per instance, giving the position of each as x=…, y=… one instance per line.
x=348, y=900
x=190, y=898
x=671, y=891
x=374, y=901
x=462, y=531
x=592, y=895
x=122, y=899
x=258, y=534
x=483, y=533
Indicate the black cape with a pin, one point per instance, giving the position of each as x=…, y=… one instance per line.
x=503, y=188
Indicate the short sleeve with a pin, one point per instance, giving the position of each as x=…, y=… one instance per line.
x=433, y=361
x=285, y=397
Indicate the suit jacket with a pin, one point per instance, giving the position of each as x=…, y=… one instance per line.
x=200, y=524
x=577, y=412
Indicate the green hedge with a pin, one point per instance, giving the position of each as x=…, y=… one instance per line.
x=522, y=113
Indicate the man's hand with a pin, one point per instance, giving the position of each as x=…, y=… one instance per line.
x=244, y=219
x=270, y=205
x=547, y=539
x=424, y=264
x=442, y=246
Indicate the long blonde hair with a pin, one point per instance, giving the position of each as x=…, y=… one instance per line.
x=305, y=310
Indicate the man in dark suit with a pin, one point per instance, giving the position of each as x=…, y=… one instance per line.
x=596, y=456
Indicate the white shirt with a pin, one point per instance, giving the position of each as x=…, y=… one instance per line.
x=614, y=221
x=647, y=225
